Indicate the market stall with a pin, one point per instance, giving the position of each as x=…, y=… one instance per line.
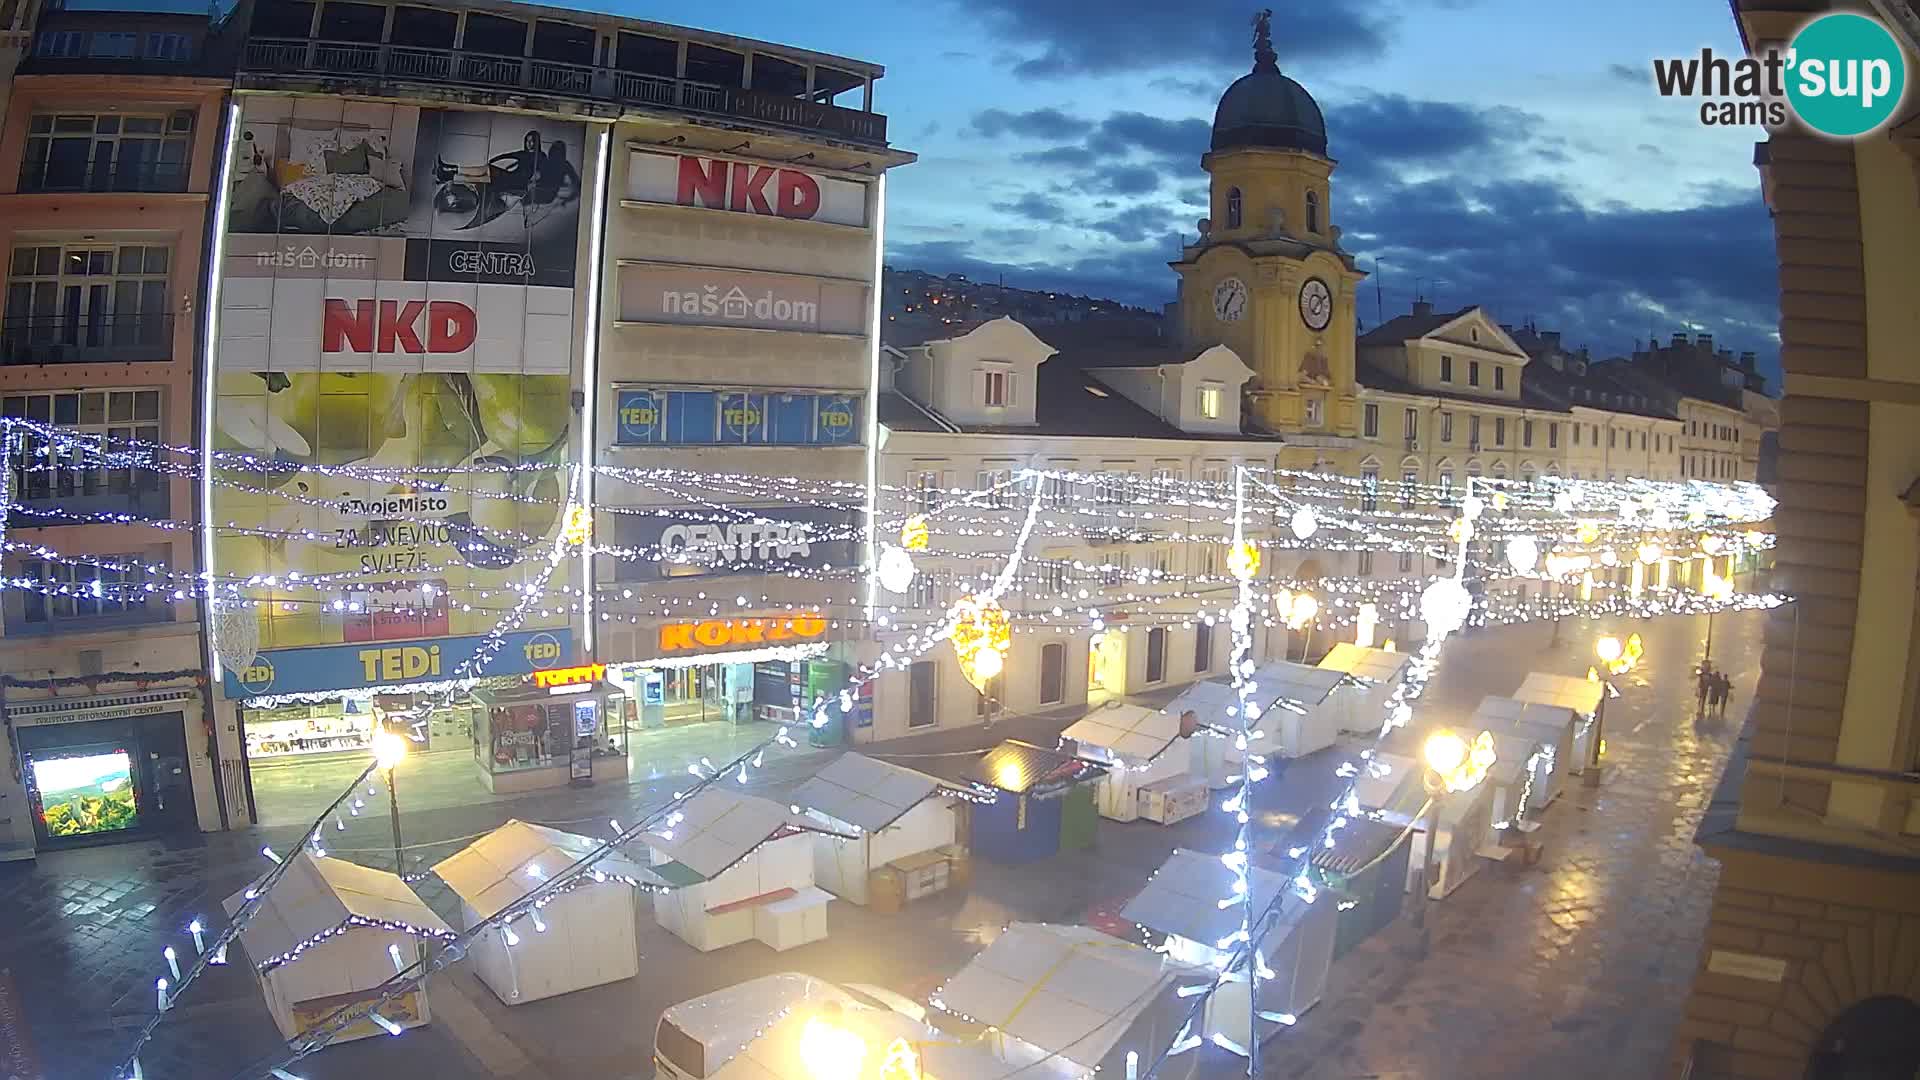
x=1388, y=786
x=327, y=935
x=1148, y=758
x=1364, y=875
x=893, y=831
x=1372, y=674
x=1466, y=823
x=1586, y=698
x=737, y=867
x=1065, y=1001
x=1182, y=900
x=831, y=1040
x=1042, y=802
x=583, y=936
x=1294, y=706
x=1549, y=726
x=1209, y=711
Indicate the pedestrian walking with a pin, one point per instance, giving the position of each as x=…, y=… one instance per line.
x=1726, y=691
x=1716, y=691
x=1704, y=680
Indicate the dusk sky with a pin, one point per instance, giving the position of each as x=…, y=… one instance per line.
x=1502, y=152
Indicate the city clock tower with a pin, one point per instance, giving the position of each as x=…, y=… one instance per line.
x=1268, y=278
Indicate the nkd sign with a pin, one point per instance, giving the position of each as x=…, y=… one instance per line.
x=397, y=326
x=710, y=296
x=745, y=188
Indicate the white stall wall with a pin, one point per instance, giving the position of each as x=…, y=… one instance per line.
x=589, y=940
x=840, y=866
x=923, y=828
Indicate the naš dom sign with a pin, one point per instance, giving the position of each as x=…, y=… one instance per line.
x=734, y=633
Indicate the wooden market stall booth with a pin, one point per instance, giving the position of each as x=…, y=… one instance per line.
x=1296, y=707
x=1586, y=698
x=1068, y=1001
x=894, y=831
x=1148, y=756
x=1040, y=803
x=1364, y=875
x=327, y=935
x=1550, y=727
x=584, y=935
x=1372, y=674
x=1391, y=788
x=1182, y=900
x=737, y=867
x=1209, y=710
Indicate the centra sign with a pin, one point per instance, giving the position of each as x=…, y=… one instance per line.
x=725, y=633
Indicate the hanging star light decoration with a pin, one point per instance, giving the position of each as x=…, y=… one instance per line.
x=981, y=637
x=913, y=533
x=1243, y=561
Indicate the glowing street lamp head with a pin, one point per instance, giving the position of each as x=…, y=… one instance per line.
x=1444, y=752
x=829, y=1051
x=1608, y=648
x=389, y=748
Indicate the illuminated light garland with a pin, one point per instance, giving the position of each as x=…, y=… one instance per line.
x=352, y=922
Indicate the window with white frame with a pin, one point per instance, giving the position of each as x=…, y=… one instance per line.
x=1210, y=393
x=997, y=484
x=1446, y=481
x=924, y=593
x=1056, y=576
x=1315, y=411
x=924, y=486
x=1409, y=481
x=1213, y=475
x=996, y=387
x=109, y=151
x=1473, y=432
x=1499, y=431
x=66, y=468
x=1206, y=560
x=1369, y=487
x=1117, y=567
x=1410, y=425
x=1370, y=421
x=1446, y=427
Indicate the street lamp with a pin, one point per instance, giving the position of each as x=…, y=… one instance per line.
x=1452, y=764
x=389, y=750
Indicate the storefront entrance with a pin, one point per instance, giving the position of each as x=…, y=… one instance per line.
x=99, y=781
x=1107, y=667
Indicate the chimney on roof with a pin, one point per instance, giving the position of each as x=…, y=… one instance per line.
x=1746, y=361
x=1679, y=339
x=1705, y=342
x=1551, y=337
x=1423, y=307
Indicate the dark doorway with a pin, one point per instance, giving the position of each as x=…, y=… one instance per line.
x=99, y=781
x=1877, y=1039
x=920, y=694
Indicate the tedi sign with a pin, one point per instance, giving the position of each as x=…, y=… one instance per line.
x=745, y=187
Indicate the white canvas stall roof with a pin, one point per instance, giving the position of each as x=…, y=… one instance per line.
x=776, y=1055
x=317, y=894
x=1508, y=713
x=1130, y=731
x=517, y=858
x=865, y=792
x=718, y=828
x=1373, y=665
x=1208, y=701
x=1068, y=990
x=1511, y=752
x=1183, y=897
x=1378, y=792
x=1284, y=680
x=724, y=1020
x=1580, y=694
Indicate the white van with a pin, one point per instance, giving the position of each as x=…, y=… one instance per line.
x=696, y=1037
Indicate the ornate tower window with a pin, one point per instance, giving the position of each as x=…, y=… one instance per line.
x=1313, y=211
x=1233, y=208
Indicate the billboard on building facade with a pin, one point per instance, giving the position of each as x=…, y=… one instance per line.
x=397, y=300
x=750, y=299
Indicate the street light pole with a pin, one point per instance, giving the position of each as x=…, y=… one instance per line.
x=393, y=812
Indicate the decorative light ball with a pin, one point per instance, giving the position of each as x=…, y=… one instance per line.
x=1444, y=605
x=1649, y=553
x=1712, y=544
x=895, y=570
x=1304, y=608
x=1608, y=648
x=1608, y=558
x=1472, y=506
x=1243, y=561
x=578, y=528
x=1499, y=500
x=913, y=533
x=1523, y=554
x=1461, y=530
x=1303, y=523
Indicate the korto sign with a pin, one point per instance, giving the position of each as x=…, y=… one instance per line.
x=739, y=633
x=745, y=188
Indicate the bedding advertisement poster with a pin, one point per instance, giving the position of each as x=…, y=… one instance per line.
x=398, y=299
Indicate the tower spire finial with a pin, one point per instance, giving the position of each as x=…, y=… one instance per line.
x=1264, y=58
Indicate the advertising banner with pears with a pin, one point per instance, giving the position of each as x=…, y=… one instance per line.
x=397, y=300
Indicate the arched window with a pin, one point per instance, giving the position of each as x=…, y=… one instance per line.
x=1878, y=1037
x=1313, y=211
x=1233, y=208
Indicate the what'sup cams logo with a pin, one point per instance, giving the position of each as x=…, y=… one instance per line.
x=1842, y=75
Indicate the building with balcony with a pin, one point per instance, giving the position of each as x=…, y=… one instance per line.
x=964, y=409
x=115, y=120
x=1808, y=968
x=519, y=238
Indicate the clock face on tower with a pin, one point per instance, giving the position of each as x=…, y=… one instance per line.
x=1316, y=304
x=1230, y=300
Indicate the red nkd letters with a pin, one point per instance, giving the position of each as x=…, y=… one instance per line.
x=736, y=185
x=395, y=326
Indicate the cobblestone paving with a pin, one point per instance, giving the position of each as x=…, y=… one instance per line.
x=1575, y=968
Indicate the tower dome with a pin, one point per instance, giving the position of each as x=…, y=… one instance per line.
x=1266, y=110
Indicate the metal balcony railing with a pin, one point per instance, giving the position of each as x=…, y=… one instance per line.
x=100, y=172
x=294, y=56
x=86, y=339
